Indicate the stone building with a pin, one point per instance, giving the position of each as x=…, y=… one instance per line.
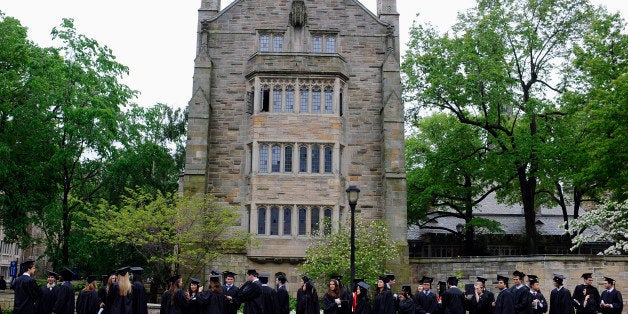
x=293, y=101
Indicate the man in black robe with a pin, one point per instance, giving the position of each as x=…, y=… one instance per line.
x=283, y=299
x=269, y=295
x=27, y=293
x=64, y=303
x=579, y=295
x=481, y=301
x=521, y=294
x=138, y=292
x=560, y=298
x=249, y=294
x=612, y=302
x=539, y=303
x=48, y=294
x=230, y=290
x=426, y=298
x=504, y=303
x=453, y=298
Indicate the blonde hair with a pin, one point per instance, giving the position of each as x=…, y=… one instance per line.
x=90, y=286
x=124, y=285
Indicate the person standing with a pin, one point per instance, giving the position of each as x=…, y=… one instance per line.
x=612, y=302
x=332, y=302
x=307, y=298
x=3, y=283
x=453, y=298
x=383, y=302
x=249, y=294
x=230, y=290
x=581, y=291
x=27, y=293
x=426, y=298
x=87, y=301
x=481, y=301
x=406, y=303
x=521, y=294
x=119, y=298
x=108, y=281
x=504, y=303
x=173, y=300
x=64, y=303
x=48, y=294
x=138, y=292
x=193, y=297
x=539, y=303
x=361, y=303
x=283, y=299
x=560, y=298
x=269, y=295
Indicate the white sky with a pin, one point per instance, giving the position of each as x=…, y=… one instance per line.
x=157, y=39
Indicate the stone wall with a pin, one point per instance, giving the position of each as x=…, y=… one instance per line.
x=571, y=266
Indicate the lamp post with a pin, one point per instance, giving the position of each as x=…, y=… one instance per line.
x=352, y=196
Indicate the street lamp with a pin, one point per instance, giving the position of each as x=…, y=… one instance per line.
x=352, y=195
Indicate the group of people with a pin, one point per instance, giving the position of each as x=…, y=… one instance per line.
x=122, y=293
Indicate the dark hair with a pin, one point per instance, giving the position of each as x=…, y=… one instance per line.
x=335, y=293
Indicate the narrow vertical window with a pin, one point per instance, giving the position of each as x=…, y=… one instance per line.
x=303, y=159
x=315, y=220
x=316, y=158
x=261, y=220
x=340, y=104
x=287, y=220
x=264, y=43
x=277, y=43
x=316, y=100
x=304, y=99
x=263, y=158
x=274, y=220
x=277, y=99
x=329, y=99
x=287, y=159
x=275, y=155
x=290, y=99
x=265, y=99
x=330, y=44
x=317, y=44
x=327, y=221
x=327, y=156
x=302, y=220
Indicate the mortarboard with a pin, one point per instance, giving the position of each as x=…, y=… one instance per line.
x=426, y=279
x=228, y=274
x=390, y=277
x=174, y=278
x=214, y=272
x=383, y=278
x=251, y=272
x=337, y=277
x=452, y=280
x=123, y=271
x=91, y=278
x=609, y=280
x=27, y=264
x=214, y=278
x=66, y=273
x=263, y=278
x=305, y=278
x=195, y=281
x=586, y=275
x=519, y=274
x=53, y=274
x=406, y=288
x=364, y=285
x=481, y=279
x=136, y=269
x=558, y=278
x=502, y=278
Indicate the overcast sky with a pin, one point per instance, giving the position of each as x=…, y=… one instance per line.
x=156, y=39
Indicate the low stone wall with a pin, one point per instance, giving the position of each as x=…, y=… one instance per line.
x=544, y=266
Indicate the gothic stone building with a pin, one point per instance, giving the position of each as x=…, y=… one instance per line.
x=293, y=101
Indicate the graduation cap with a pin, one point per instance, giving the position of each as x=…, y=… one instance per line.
x=406, y=288
x=519, y=274
x=357, y=280
x=533, y=277
x=214, y=272
x=586, y=275
x=53, y=274
x=452, y=280
x=337, y=277
x=174, y=278
x=383, y=278
x=251, y=272
x=27, y=264
x=263, y=278
x=136, y=269
x=214, y=278
x=363, y=285
x=91, y=278
x=195, y=281
x=502, y=278
x=305, y=278
x=280, y=274
x=227, y=273
x=481, y=279
x=66, y=273
x=558, y=279
x=609, y=280
x=390, y=277
x=426, y=279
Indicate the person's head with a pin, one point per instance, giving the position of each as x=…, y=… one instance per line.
x=558, y=280
x=90, y=284
x=194, y=283
x=136, y=273
x=608, y=283
x=28, y=267
x=362, y=289
x=381, y=283
x=391, y=281
x=113, y=278
x=52, y=277
x=452, y=281
x=534, y=283
x=65, y=274
x=333, y=287
x=587, y=278
x=427, y=283
x=251, y=275
x=229, y=278
x=280, y=278
x=502, y=282
x=304, y=280
x=480, y=282
x=517, y=278
x=214, y=284
x=124, y=283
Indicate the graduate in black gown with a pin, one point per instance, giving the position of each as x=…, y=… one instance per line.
x=586, y=291
x=426, y=298
x=27, y=293
x=406, y=303
x=560, y=298
x=269, y=295
x=362, y=304
x=230, y=290
x=48, y=294
x=453, y=298
x=173, y=301
x=193, y=295
x=64, y=303
x=539, y=303
x=481, y=302
x=250, y=293
x=283, y=298
x=214, y=299
x=307, y=298
x=332, y=304
x=138, y=292
x=521, y=294
x=612, y=302
x=383, y=301
x=504, y=302
x=345, y=296
x=87, y=301
x=120, y=298
x=108, y=281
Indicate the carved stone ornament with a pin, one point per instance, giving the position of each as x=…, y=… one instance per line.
x=204, y=25
x=298, y=15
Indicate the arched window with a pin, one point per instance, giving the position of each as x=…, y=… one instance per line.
x=277, y=99
x=287, y=159
x=316, y=158
x=330, y=44
x=315, y=220
x=302, y=220
x=304, y=99
x=316, y=100
x=328, y=159
x=261, y=220
x=303, y=158
x=274, y=220
x=276, y=158
x=263, y=158
x=287, y=220
x=329, y=100
x=327, y=220
x=265, y=99
x=290, y=99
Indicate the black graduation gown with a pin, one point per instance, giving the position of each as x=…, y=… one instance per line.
x=139, y=298
x=195, y=304
x=429, y=302
x=453, y=301
x=102, y=295
x=307, y=302
x=64, y=303
x=504, y=303
x=561, y=302
x=269, y=300
x=383, y=303
x=118, y=304
x=592, y=304
x=363, y=305
x=249, y=294
x=522, y=299
x=542, y=306
x=406, y=306
x=47, y=300
x=283, y=300
x=87, y=302
x=483, y=305
x=612, y=297
x=233, y=305
x=209, y=302
x=27, y=293
x=330, y=306
x=173, y=305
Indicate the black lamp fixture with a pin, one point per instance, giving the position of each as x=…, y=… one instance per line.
x=353, y=193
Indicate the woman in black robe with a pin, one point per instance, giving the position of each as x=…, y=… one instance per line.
x=173, y=301
x=332, y=303
x=119, y=298
x=307, y=298
x=361, y=298
x=383, y=302
x=192, y=295
x=213, y=300
x=88, y=301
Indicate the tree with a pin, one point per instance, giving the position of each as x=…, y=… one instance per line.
x=501, y=70
x=606, y=223
x=171, y=232
x=328, y=253
x=451, y=169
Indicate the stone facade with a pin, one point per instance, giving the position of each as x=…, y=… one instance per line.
x=293, y=101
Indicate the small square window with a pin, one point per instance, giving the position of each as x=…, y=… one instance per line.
x=317, y=44
x=264, y=43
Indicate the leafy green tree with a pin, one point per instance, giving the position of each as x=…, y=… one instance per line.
x=329, y=253
x=170, y=232
x=502, y=69
x=451, y=170
x=605, y=223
